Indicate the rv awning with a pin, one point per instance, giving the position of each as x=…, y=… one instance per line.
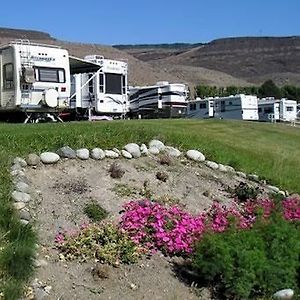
x=78, y=65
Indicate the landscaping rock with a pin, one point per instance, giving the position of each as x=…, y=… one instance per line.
x=253, y=177
x=158, y=144
x=97, y=154
x=117, y=151
x=171, y=151
x=230, y=169
x=154, y=150
x=144, y=150
x=21, y=161
x=24, y=222
x=211, y=164
x=66, y=152
x=111, y=154
x=133, y=149
x=16, y=167
x=23, y=187
x=17, y=173
x=24, y=214
x=20, y=197
x=126, y=154
x=83, y=153
x=274, y=189
x=19, y=205
x=282, y=193
x=222, y=168
x=284, y=294
x=195, y=155
x=40, y=263
x=241, y=174
x=32, y=159
x=49, y=157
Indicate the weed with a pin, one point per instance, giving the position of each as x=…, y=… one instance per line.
x=165, y=159
x=124, y=190
x=95, y=212
x=243, y=192
x=167, y=200
x=163, y=176
x=116, y=171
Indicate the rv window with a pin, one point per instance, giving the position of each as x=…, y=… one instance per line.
x=289, y=108
x=113, y=83
x=101, y=83
x=8, y=77
x=91, y=84
x=202, y=105
x=268, y=110
x=123, y=84
x=192, y=106
x=50, y=74
x=259, y=110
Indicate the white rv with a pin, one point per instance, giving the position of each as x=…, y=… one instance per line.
x=243, y=107
x=100, y=91
x=163, y=100
x=34, y=79
x=273, y=110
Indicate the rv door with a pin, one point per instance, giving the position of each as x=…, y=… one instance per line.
x=211, y=109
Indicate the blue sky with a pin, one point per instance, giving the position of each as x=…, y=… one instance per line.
x=135, y=22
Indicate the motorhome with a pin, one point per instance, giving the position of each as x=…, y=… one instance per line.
x=243, y=107
x=273, y=110
x=101, y=91
x=162, y=100
x=34, y=79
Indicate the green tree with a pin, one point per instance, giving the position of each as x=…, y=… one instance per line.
x=270, y=89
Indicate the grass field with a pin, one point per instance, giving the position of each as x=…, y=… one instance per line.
x=269, y=150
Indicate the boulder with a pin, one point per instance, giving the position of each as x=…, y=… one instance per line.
x=66, y=152
x=24, y=215
x=158, y=144
x=195, y=155
x=111, y=154
x=83, y=153
x=253, y=177
x=16, y=167
x=153, y=150
x=49, y=157
x=211, y=164
x=21, y=161
x=274, y=189
x=241, y=174
x=32, y=159
x=144, y=150
x=117, y=151
x=19, y=205
x=230, y=169
x=20, y=196
x=285, y=294
x=97, y=154
x=133, y=149
x=223, y=168
x=21, y=186
x=126, y=154
x=171, y=151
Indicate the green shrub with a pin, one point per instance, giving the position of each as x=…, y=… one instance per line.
x=252, y=263
x=243, y=192
x=95, y=212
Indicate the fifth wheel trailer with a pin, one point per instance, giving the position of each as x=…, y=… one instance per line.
x=34, y=79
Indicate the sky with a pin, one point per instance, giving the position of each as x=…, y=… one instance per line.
x=113, y=22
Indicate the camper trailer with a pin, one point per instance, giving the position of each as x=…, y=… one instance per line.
x=162, y=100
x=273, y=110
x=34, y=80
x=243, y=107
x=101, y=91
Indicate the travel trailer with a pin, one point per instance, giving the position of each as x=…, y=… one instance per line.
x=162, y=100
x=100, y=90
x=243, y=107
x=273, y=110
x=34, y=80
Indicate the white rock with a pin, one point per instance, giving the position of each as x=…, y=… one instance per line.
x=241, y=174
x=19, y=205
x=83, y=153
x=195, y=155
x=211, y=164
x=158, y=144
x=111, y=154
x=16, y=167
x=144, y=150
x=21, y=161
x=24, y=214
x=284, y=294
x=174, y=152
x=20, y=196
x=22, y=187
x=32, y=159
x=117, y=151
x=17, y=173
x=273, y=188
x=282, y=193
x=253, y=177
x=126, y=154
x=24, y=222
x=49, y=157
x=230, y=169
x=66, y=152
x=40, y=263
x=133, y=149
x=97, y=154
x=222, y=168
x=154, y=150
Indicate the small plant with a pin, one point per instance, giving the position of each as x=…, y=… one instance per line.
x=116, y=171
x=165, y=159
x=146, y=191
x=124, y=190
x=163, y=176
x=95, y=212
x=167, y=200
x=244, y=192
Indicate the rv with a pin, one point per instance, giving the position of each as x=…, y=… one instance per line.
x=100, y=91
x=273, y=110
x=163, y=100
x=34, y=80
x=243, y=107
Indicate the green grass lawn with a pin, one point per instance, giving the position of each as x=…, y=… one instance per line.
x=269, y=150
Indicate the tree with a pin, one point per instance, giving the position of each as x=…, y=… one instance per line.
x=270, y=89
